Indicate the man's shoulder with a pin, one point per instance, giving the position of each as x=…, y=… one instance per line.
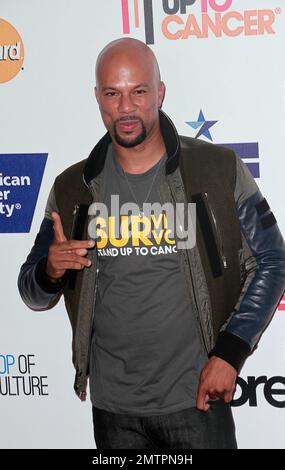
x=70, y=188
x=203, y=161
x=190, y=143
x=72, y=172
x=70, y=183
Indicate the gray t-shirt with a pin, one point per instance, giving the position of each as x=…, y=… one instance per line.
x=146, y=354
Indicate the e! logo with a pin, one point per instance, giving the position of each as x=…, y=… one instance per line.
x=273, y=388
x=11, y=51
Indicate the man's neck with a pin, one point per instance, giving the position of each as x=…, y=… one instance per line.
x=141, y=158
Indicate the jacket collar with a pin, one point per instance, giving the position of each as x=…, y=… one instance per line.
x=96, y=160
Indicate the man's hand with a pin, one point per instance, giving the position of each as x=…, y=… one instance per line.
x=65, y=254
x=217, y=380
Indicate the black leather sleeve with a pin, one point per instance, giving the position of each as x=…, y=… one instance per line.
x=259, y=301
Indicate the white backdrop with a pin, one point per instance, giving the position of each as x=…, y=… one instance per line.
x=49, y=108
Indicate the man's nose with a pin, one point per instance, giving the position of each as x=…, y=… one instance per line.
x=126, y=104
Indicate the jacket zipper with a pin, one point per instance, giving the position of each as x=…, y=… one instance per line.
x=83, y=393
x=194, y=288
x=219, y=237
x=93, y=309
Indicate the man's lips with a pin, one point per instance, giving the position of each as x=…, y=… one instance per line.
x=128, y=125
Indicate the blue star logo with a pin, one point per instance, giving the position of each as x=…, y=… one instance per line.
x=202, y=125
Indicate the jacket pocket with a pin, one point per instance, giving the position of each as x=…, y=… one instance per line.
x=217, y=231
x=74, y=218
x=210, y=232
x=77, y=232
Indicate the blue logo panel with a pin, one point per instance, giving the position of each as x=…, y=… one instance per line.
x=247, y=151
x=20, y=182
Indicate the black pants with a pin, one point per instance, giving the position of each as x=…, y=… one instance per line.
x=186, y=429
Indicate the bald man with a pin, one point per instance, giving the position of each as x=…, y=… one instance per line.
x=160, y=328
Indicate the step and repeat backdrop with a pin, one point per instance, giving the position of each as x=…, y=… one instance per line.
x=222, y=62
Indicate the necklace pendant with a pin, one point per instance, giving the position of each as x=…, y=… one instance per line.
x=141, y=213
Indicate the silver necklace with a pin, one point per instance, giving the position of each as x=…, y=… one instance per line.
x=141, y=211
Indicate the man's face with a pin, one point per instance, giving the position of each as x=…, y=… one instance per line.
x=129, y=94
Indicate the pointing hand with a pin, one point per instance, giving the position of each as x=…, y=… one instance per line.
x=66, y=254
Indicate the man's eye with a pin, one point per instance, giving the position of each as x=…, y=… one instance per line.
x=140, y=92
x=110, y=93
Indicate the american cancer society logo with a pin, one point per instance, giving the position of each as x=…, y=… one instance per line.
x=187, y=19
x=20, y=182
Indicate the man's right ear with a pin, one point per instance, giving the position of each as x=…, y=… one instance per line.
x=96, y=93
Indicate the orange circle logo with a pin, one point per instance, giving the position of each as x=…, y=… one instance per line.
x=11, y=51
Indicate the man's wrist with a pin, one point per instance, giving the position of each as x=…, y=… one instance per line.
x=53, y=280
x=50, y=285
x=231, y=349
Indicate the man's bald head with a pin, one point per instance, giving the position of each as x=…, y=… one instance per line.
x=127, y=48
x=129, y=91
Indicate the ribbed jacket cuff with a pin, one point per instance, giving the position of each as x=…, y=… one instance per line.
x=43, y=280
x=232, y=349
